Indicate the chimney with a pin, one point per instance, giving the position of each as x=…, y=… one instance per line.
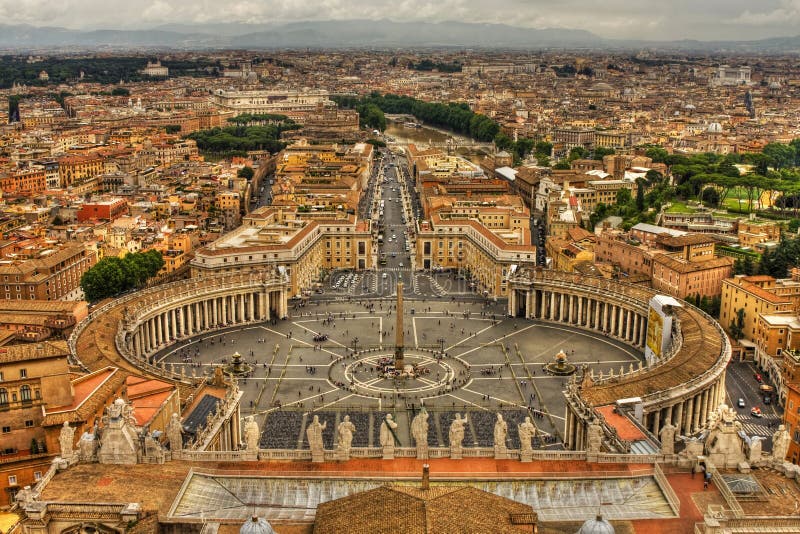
x=426, y=476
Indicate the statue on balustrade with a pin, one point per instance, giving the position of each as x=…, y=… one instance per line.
x=344, y=435
x=594, y=436
x=66, y=441
x=527, y=431
x=387, y=431
x=780, y=444
x=87, y=446
x=252, y=434
x=174, y=433
x=500, y=433
x=667, y=436
x=419, y=431
x=457, y=431
x=314, y=434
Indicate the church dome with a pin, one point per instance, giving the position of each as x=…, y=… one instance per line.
x=714, y=127
x=598, y=525
x=256, y=525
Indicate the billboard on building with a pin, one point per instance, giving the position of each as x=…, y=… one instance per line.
x=659, y=327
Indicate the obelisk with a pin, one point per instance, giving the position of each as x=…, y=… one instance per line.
x=398, y=343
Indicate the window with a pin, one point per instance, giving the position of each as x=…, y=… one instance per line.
x=6, y=430
x=29, y=423
x=25, y=393
x=37, y=475
x=23, y=373
x=12, y=480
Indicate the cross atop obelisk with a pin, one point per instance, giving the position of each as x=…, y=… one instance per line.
x=398, y=344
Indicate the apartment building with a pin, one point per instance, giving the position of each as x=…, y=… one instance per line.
x=689, y=266
x=46, y=273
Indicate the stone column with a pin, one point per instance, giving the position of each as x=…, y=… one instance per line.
x=614, y=316
x=159, y=337
x=696, y=418
x=679, y=416
x=241, y=307
x=251, y=306
x=552, y=296
x=580, y=311
x=687, y=428
x=656, y=421
x=669, y=414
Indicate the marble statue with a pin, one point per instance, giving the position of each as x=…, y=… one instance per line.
x=152, y=448
x=344, y=435
x=667, y=436
x=387, y=431
x=66, y=440
x=457, y=431
x=25, y=496
x=500, y=433
x=754, y=449
x=119, y=441
x=594, y=436
x=174, y=433
x=252, y=434
x=419, y=431
x=314, y=434
x=527, y=431
x=780, y=444
x=87, y=446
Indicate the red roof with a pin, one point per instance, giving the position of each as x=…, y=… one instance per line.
x=626, y=430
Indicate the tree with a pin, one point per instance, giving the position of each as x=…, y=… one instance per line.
x=640, y=203
x=600, y=152
x=246, y=172
x=710, y=196
x=780, y=155
x=111, y=276
x=577, y=152
x=737, y=325
x=120, y=91
x=657, y=154
x=562, y=165
x=172, y=128
x=624, y=196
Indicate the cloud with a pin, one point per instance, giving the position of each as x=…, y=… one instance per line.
x=655, y=19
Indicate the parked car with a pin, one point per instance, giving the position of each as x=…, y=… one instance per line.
x=740, y=403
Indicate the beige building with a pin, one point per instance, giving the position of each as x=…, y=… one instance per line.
x=299, y=244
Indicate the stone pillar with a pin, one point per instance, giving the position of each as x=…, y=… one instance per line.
x=614, y=314
x=696, y=414
x=552, y=297
x=580, y=311
x=656, y=421
x=241, y=307
x=679, y=416
x=251, y=306
x=159, y=337
x=687, y=428
x=669, y=414
x=635, y=328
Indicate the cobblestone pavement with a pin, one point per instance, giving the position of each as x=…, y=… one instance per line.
x=491, y=363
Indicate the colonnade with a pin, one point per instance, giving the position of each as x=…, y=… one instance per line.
x=199, y=313
x=687, y=413
x=625, y=321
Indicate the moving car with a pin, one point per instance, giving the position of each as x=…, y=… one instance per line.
x=740, y=403
x=756, y=412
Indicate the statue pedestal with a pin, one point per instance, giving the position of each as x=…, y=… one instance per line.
x=388, y=453
x=317, y=457
x=342, y=454
x=422, y=453
x=500, y=453
x=455, y=453
x=526, y=456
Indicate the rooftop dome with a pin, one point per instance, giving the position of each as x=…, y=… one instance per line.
x=257, y=525
x=601, y=86
x=598, y=525
x=714, y=127
x=689, y=106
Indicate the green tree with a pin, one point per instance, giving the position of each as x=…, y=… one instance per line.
x=640, y=203
x=657, y=154
x=780, y=155
x=736, y=327
x=624, y=196
x=246, y=172
x=600, y=152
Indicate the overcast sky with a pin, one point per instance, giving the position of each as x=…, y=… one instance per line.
x=647, y=19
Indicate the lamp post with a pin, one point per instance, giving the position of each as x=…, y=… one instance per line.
x=355, y=345
x=441, y=342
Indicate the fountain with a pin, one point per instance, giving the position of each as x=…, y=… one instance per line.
x=237, y=367
x=560, y=366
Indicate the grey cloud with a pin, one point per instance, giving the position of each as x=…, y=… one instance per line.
x=649, y=19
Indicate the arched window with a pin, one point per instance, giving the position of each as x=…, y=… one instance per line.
x=25, y=393
x=3, y=396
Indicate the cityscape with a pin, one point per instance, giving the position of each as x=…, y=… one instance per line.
x=276, y=268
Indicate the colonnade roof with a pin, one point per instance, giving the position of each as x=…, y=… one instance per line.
x=701, y=349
